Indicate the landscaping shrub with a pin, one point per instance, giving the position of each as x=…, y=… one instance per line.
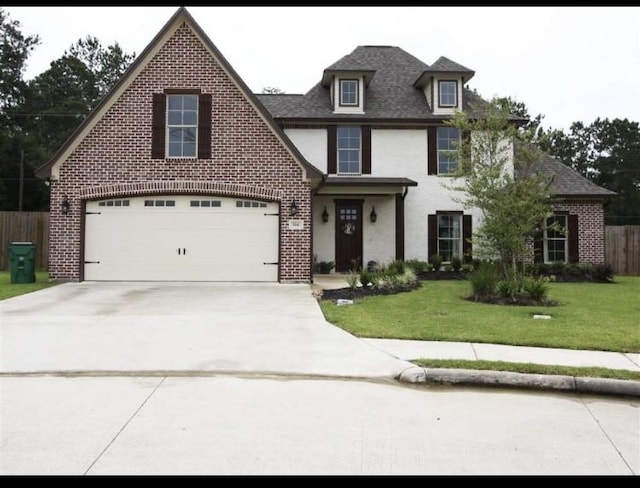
x=536, y=288
x=366, y=276
x=352, y=279
x=396, y=267
x=436, y=261
x=456, y=263
x=418, y=266
x=509, y=288
x=602, y=273
x=484, y=281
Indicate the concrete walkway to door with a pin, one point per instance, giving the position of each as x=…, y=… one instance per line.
x=264, y=328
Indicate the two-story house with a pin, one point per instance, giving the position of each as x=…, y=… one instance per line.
x=182, y=173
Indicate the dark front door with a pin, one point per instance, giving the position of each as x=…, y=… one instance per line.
x=348, y=235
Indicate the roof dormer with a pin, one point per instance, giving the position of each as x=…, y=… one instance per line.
x=442, y=85
x=347, y=89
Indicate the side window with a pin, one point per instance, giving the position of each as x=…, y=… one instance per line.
x=555, y=240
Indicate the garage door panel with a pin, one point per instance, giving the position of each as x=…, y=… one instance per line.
x=181, y=242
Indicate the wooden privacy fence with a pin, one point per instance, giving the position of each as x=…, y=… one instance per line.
x=623, y=249
x=24, y=227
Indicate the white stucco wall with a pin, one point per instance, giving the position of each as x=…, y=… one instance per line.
x=404, y=153
x=394, y=153
x=312, y=143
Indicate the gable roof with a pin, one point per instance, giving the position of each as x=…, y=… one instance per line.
x=567, y=182
x=391, y=94
x=181, y=15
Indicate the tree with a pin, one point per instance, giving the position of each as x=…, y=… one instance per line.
x=107, y=64
x=14, y=51
x=533, y=126
x=514, y=201
x=608, y=153
x=37, y=116
x=15, y=48
x=272, y=90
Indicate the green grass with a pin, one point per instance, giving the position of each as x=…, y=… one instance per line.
x=8, y=290
x=592, y=316
x=530, y=368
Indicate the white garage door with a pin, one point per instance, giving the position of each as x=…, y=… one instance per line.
x=181, y=238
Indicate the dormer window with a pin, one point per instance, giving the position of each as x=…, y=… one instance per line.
x=448, y=93
x=349, y=93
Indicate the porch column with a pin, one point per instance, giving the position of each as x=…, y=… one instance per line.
x=399, y=226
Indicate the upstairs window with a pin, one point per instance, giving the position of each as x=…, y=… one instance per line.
x=182, y=126
x=349, y=93
x=448, y=139
x=448, y=93
x=349, y=150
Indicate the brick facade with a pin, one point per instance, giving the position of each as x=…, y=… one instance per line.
x=114, y=159
x=591, y=232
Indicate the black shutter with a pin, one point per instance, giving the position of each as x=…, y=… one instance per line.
x=204, y=126
x=538, y=247
x=158, y=126
x=432, y=152
x=332, y=148
x=467, y=231
x=432, y=238
x=572, y=238
x=366, y=149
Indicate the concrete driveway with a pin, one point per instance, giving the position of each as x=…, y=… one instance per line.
x=97, y=327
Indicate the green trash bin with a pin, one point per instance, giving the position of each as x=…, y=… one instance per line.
x=22, y=262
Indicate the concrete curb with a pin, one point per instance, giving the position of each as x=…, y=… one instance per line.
x=472, y=377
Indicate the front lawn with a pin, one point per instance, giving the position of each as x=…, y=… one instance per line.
x=8, y=290
x=596, y=316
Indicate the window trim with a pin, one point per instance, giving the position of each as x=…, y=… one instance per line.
x=343, y=173
x=174, y=93
x=460, y=239
x=564, y=238
x=341, y=103
x=455, y=94
x=438, y=150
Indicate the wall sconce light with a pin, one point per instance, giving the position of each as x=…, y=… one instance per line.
x=293, y=208
x=373, y=215
x=325, y=215
x=65, y=206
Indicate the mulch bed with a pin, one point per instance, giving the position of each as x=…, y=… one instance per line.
x=361, y=292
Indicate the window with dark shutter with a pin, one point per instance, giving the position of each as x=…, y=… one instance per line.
x=180, y=121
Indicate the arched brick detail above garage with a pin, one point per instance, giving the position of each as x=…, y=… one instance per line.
x=180, y=188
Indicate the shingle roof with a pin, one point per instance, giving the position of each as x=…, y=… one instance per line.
x=567, y=182
x=445, y=64
x=391, y=94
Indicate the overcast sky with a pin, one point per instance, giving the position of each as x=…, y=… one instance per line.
x=568, y=63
